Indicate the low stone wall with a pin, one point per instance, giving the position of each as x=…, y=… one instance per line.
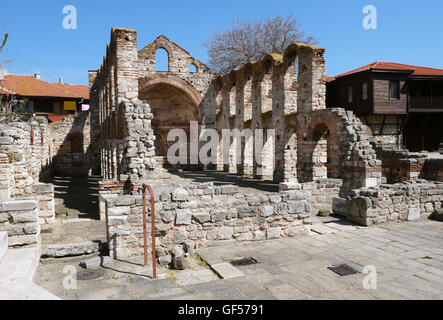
x=433, y=170
x=201, y=214
x=20, y=218
x=25, y=156
x=44, y=194
x=401, y=165
x=320, y=193
x=409, y=200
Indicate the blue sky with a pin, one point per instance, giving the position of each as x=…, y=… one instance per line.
x=408, y=31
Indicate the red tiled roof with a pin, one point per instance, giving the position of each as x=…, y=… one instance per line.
x=329, y=78
x=380, y=65
x=30, y=86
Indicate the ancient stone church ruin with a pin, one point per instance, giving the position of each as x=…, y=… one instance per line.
x=319, y=156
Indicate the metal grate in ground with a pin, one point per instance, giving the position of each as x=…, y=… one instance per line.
x=243, y=262
x=343, y=270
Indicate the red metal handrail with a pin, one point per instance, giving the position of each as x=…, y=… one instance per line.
x=145, y=237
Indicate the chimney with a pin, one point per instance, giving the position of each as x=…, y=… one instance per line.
x=60, y=80
x=37, y=75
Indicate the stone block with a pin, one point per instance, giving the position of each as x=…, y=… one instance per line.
x=275, y=199
x=183, y=216
x=95, y=262
x=339, y=206
x=247, y=236
x=296, y=207
x=202, y=217
x=119, y=211
x=266, y=211
x=229, y=189
x=244, y=212
x=177, y=251
x=259, y=235
x=114, y=220
x=297, y=231
x=179, y=263
x=22, y=240
x=273, y=233
x=165, y=261
x=42, y=188
x=225, y=233
x=71, y=249
x=167, y=215
x=128, y=201
x=180, y=194
x=18, y=205
x=24, y=216
x=413, y=214
x=284, y=186
x=218, y=215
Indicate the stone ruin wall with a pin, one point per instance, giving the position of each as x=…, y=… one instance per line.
x=201, y=214
x=71, y=146
x=409, y=200
x=311, y=142
x=314, y=146
x=400, y=165
x=25, y=160
x=124, y=138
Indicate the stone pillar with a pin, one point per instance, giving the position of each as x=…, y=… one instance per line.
x=248, y=149
x=311, y=79
x=124, y=46
x=226, y=116
x=240, y=116
x=278, y=122
x=256, y=119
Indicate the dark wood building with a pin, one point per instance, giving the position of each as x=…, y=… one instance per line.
x=402, y=104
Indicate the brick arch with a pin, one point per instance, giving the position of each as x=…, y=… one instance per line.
x=350, y=151
x=174, y=81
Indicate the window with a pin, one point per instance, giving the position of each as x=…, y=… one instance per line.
x=192, y=68
x=394, y=89
x=161, y=60
x=350, y=94
x=364, y=91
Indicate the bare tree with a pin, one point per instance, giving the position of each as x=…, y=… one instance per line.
x=3, y=52
x=251, y=40
x=7, y=98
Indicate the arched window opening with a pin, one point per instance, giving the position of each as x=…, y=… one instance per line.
x=192, y=68
x=161, y=60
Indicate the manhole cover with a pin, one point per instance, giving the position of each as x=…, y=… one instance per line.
x=343, y=270
x=90, y=274
x=243, y=262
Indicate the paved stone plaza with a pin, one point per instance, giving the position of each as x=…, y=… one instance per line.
x=408, y=258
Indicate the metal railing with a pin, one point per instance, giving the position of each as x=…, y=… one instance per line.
x=145, y=236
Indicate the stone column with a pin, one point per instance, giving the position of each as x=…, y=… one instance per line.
x=124, y=46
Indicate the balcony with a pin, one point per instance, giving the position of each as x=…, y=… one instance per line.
x=426, y=104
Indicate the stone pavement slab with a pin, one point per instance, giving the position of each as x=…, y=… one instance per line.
x=407, y=266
